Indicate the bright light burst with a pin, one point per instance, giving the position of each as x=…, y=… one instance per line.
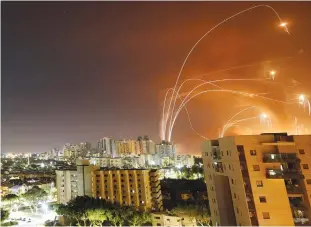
x=173, y=97
x=169, y=114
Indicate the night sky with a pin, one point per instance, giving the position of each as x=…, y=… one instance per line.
x=79, y=71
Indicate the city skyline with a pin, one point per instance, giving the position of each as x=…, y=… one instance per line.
x=82, y=71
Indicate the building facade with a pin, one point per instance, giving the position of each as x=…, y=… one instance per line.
x=259, y=179
x=145, y=145
x=107, y=147
x=165, y=149
x=184, y=160
x=126, y=147
x=132, y=187
x=164, y=219
x=137, y=187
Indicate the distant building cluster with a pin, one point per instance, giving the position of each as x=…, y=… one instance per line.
x=110, y=153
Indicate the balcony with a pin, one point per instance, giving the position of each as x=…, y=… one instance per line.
x=300, y=214
x=219, y=167
x=216, y=154
x=301, y=221
x=294, y=189
x=284, y=174
x=283, y=157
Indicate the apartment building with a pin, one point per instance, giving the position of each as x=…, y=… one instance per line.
x=131, y=187
x=71, y=183
x=259, y=179
x=165, y=219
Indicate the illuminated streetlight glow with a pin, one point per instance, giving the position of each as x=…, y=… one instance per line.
x=42, y=165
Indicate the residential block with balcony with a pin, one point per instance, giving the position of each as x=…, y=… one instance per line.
x=259, y=179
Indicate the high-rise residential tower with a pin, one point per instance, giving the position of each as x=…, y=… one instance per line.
x=259, y=179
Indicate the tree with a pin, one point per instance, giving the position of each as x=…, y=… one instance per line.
x=199, y=213
x=10, y=199
x=4, y=214
x=34, y=196
x=96, y=216
x=138, y=218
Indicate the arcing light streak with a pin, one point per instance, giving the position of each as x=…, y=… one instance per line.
x=188, y=115
x=233, y=124
x=223, y=90
x=213, y=28
x=205, y=82
x=166, y=116
x=302, y=100
x=236, y=114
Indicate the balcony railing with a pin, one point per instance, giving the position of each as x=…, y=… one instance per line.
x=294, y=189
x=302, y=221
x=283, y=174
x=283, y=157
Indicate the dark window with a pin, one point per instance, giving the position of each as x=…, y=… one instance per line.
x=158, y=224
x=256, y=167
x=259, y=183
x=232, y=181
x=234, y=195
x=229, y=166
x=265, y=215
x=262, y=199
x=308, y=181
x=253, y=152
x=237, y=210
x=227, y=152
x=222, y=153
x=305, y=166
x=301, y=151
x=157, y=217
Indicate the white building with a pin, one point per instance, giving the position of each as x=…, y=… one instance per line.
x=145, y=145
x=100, y=161
x=165, y=149
x=107, y=147
x=75, y=182
x=184, y=160
x=164, y=219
